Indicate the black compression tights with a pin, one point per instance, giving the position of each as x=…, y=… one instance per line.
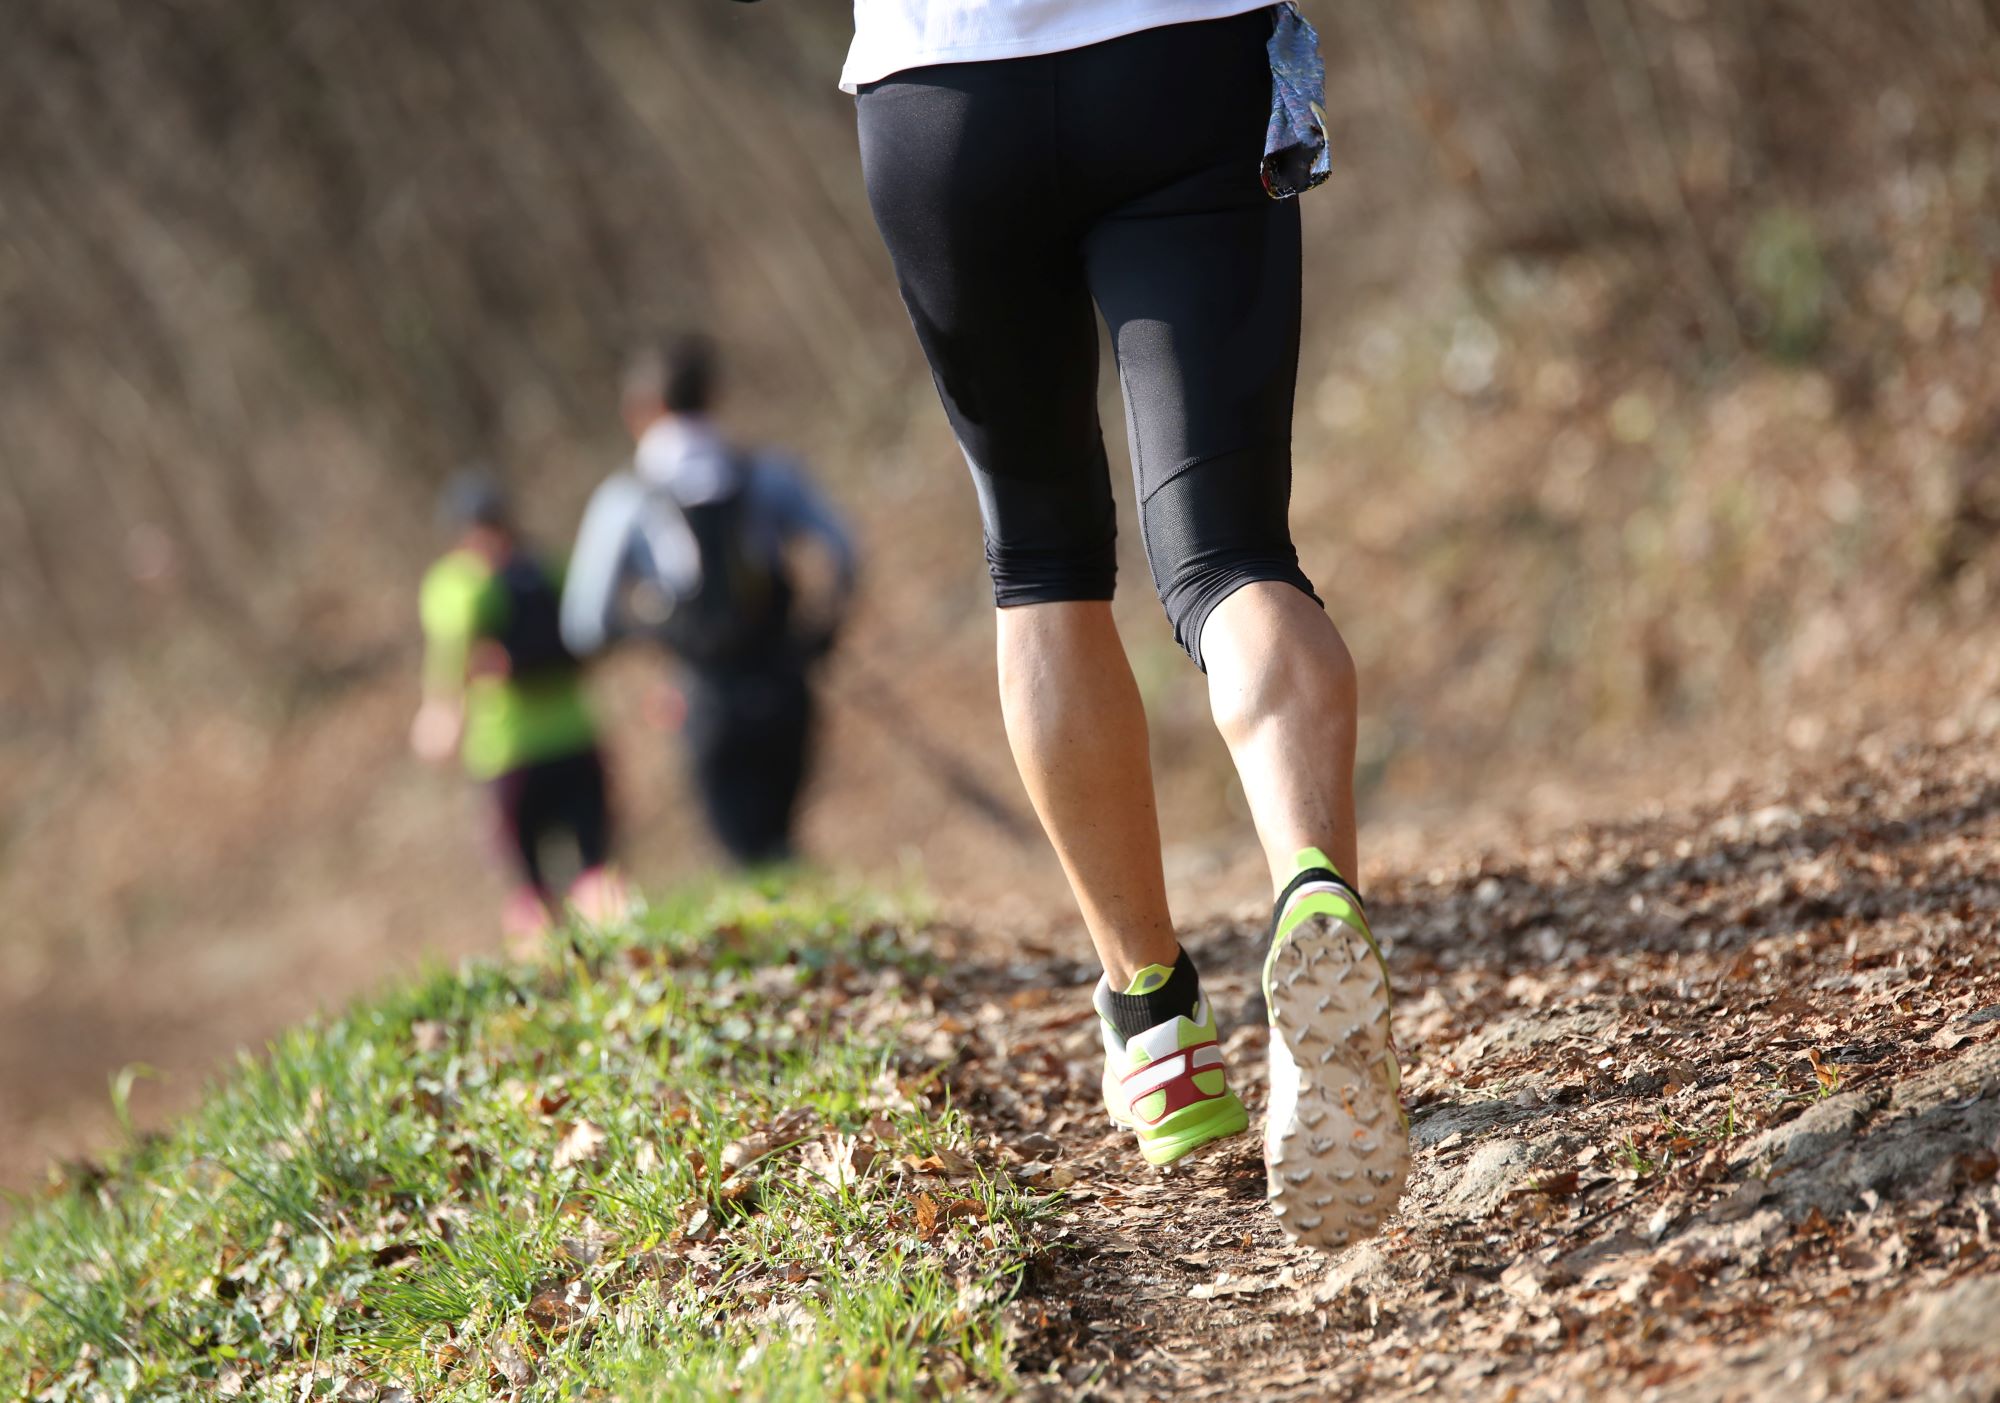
x=1011, y=195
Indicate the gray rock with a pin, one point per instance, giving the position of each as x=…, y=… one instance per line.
x=1810, y=1136
x=1871, y=1141
x=1490, y=1174
x=1470, y=1119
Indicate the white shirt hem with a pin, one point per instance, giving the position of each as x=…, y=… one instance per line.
x=865, y=66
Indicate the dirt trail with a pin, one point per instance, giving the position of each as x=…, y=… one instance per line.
x=1706, y=1107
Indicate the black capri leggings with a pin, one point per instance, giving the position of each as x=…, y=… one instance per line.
x=567, y=795
x=1013, y=193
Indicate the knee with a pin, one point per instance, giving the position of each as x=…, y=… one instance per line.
x=1051, y=575
x=1045, y=546
x=1194, y=593
x=1213, y=527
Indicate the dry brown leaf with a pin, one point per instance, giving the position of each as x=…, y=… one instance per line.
x=588, y=1247
x=746, y=1150
x=1226, y=1284
x=840, y=1162
x=391, y=1253
x=945, y=1161
x=933, y=1214
x=554, y=1309
x=646, y=1159
x=787, y=1129
x=1550, y=1185
x=582, y=1145
x=509, y=1365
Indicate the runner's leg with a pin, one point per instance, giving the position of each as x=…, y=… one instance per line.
x=598, y=893
x=788, y=759
x=1281, y=687
x=962, y=167
x=1078, y=731
x=1199, y=279
x=716, y=757
x=525, y=913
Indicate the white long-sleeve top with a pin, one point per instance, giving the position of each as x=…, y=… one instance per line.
x=633, y=529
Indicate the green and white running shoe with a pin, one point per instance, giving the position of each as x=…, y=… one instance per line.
x=1166, y=1085
x=1337, y=1143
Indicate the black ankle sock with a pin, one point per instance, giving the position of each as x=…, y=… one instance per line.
x=1133, y=1014
x=1310, y=875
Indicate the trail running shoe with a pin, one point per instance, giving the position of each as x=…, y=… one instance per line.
x=1336, y=1144
x=1166, y=1085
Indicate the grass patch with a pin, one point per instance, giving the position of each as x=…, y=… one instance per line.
x=1635, y=1160
x=1687, y=1135
x=680, y=1159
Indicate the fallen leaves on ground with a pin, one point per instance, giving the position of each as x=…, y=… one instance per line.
x=1695, y=1098
x=581, y=1144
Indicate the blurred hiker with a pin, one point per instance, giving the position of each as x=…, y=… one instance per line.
x=696, y=548
x=503, y=693
x=1138, y=156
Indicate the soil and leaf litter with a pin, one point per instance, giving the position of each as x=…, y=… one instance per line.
x=1705, y=1105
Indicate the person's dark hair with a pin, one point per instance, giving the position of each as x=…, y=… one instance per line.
x=682, y=371
x=474, y=497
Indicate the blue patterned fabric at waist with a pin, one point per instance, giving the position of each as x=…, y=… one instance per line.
x=1296, y=157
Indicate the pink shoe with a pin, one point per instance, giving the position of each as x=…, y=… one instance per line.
x=600, y=896
x=525, y=919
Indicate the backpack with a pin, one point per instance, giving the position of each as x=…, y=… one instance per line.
x=531, y=633
x=737, y=612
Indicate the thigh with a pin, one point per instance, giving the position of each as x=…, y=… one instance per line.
x=1198, y=273
x=966, y=185
x=1204, y=309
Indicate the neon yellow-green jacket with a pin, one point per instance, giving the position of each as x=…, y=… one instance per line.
x=507, y=724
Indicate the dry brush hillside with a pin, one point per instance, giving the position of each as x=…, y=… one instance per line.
x=1646, y=418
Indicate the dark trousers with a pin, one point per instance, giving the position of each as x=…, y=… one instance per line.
x=566, y=796
x=749, y=738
